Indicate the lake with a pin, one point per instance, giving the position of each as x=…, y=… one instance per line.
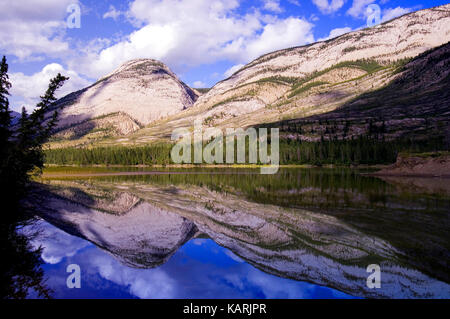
x=233, y=233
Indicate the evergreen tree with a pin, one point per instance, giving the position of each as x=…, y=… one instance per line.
x=20, y=153
x=21, y=146
x=5, y=114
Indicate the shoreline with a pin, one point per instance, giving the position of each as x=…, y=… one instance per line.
x=362, y=166
x=124, y=173
x=381, y=174
x=421, y=165
x=425, y=165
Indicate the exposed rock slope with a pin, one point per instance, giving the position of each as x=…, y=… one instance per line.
x=140, y=91
x=415, y=104
x=307, y=81
x=401, y=38
x=315, y=79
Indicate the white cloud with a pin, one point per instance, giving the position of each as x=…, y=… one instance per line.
x=358, y=9
x=56, y=244
x=272, y=5
x=112, y=13
x=29, y=28
x=233, y=69
x=30, y=87
x=199, y=84
x=392, y=13
x=294, y=2
x=313, y=17
x=143, y=284
x=279, y=35
x=336, y=32
x=186, y=33
x=328, y=7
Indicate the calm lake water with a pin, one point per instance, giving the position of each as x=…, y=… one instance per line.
x=233, y=233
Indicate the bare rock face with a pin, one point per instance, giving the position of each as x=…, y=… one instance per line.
x=144, y=90
x=405, y=37
x=320, y=78
x=289, y=84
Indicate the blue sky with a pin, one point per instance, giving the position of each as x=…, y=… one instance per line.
x=202, y=41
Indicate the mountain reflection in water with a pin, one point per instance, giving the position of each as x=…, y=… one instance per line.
x=289, y=235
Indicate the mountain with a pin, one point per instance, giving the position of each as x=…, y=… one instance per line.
x=414, y=104
x=139, y=92
x=278, y=79
x=351, y=72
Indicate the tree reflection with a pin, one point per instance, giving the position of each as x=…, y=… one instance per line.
x=21, y=270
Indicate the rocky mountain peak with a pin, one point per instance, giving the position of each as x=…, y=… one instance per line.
x=139, y=67
x=137, y=93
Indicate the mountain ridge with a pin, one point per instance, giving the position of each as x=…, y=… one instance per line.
x=141, y=90
x=301, y=82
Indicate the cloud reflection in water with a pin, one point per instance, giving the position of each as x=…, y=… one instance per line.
x=199, y=269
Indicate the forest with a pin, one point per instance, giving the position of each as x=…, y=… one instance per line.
x=356, y=151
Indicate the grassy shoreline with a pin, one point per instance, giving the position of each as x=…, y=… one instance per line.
x=73, y=170
x=190, y=166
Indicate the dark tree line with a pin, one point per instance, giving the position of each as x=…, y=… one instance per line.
x=114, y=155
x=21, y=156
x=365, y=150
x=360, y=150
